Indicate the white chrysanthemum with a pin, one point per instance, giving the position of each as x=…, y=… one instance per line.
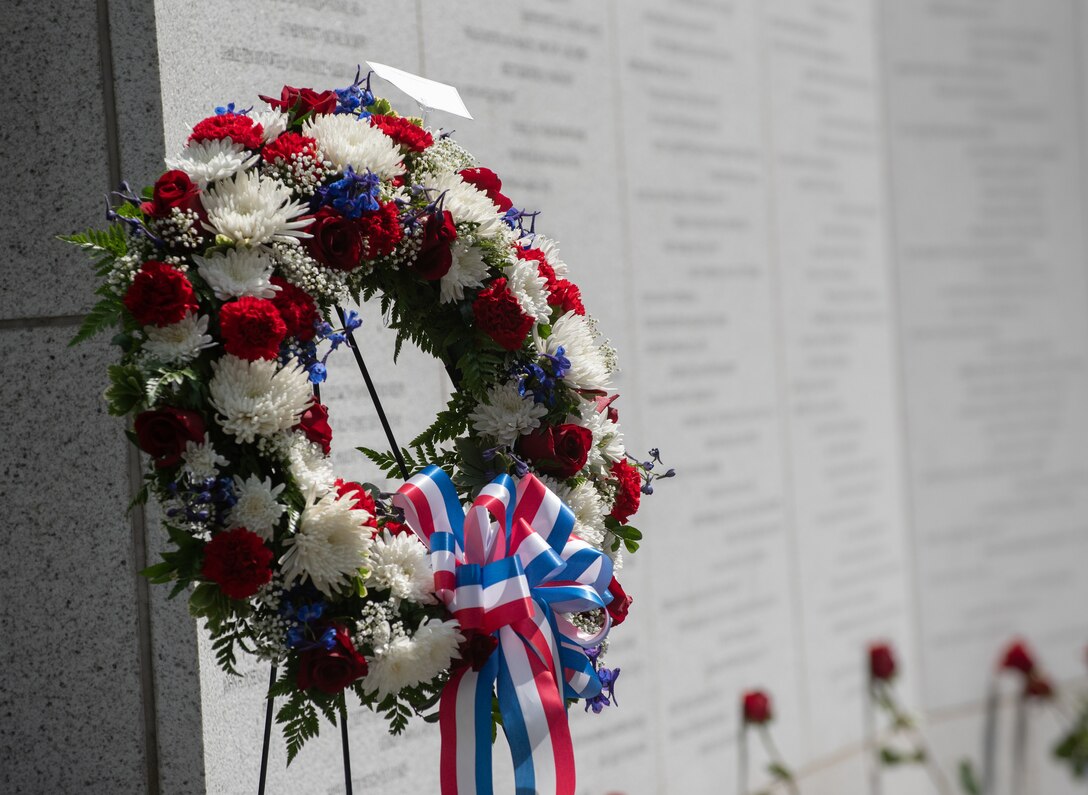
x=251, y=209
x=399, y=564
x=330, y=546
x=273, y=122
x=607, y=446
x=589, y=509
x=178, y=343
x=551, y=254
x=467, y=269
x=237, y=272
x=404, y=661
x=591, y=364
x=347, y=141
x=257, y=508
x=257, y=398
x=465, y=202
x=207, y=161
x=201, y=459
x=524, y=281
x=506, y=415
x=309, y=465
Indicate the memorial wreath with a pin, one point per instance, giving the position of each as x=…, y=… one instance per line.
x=226, y=281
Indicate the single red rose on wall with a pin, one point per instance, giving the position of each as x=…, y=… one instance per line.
x=314, y=424
x=558, y=450
x=381, y=231
x=410, y=137
x=360, y=497
x=757, y=707
x=303, y=100
x=296, y=308
x=252, y=328
x=160, y=295
x=499, y=315
x=1017, y=657
x=172, y=189
x=628, y=492
x=163, y=433
x=331, y=670
x=335, y=240
x=881, y=662
x=486, y=180
x=620, y=604
x=238, y=562
x=435, y=247
x=238, y=128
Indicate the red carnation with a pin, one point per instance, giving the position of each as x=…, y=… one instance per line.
x=757, y=707
x=172, y=189
x=297, y=308
x=397, y=528
x=1038, y=687
x=238, y=561
x=881, y=662
x=300, y=101
x=566, y=295
x=287, y=146
x=410, y=137
x=360, y=497
x=620, y=603
x=314, y=424
x=252, y=328
x=629, y=492
x=238, y=128
x=499, y=315
x=331, y=670
x=1018, y=658
x=488, y=181
x=559, y=450
x=335, y=240
x=163, y=433
x=381, y=230
x=160, y=295
x=435, y=253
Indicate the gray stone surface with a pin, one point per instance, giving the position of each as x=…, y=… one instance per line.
x=52, y=153
x=70, y=706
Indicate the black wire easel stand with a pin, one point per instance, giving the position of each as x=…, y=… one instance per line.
x=404, y=475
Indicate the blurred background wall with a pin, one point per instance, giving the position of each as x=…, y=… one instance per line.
x=840, y=246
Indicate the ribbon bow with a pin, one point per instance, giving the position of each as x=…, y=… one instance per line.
x=509, y=567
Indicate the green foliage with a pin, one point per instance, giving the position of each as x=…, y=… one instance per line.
x=300, y=722
x=126, y=390
x=1073, y=747
x=968, y=779
x=779, y=772
x=111, y=241
x=105, y=314
x=626, y=534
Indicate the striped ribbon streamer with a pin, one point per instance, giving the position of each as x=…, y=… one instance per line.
x=509, y=567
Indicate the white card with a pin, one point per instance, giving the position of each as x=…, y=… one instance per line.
x=428, y=93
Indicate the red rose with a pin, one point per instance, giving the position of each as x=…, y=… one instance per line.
x=604, y=403
x=486, y=180
x=287, y=146
x=300, y=101
x=757, y=707
x=1018, y=658
x=620, y=603
x=238, y=128
x=172, y=189
x=314, y=424
x=559, y=450
x=435, y=253
x=566, y=295
x=475, y=650
x=629, y=493
x=881, y=662
x=252, y=328
x=160, y=295
x=163, y=433
x=397, y=528
x=1038, y=687
x=381, y=230
x=410, y=137
x=336, y=241
x=499, y=315
x=238, y=561
x=297, y=310
x=360, y=497
x=331, y=670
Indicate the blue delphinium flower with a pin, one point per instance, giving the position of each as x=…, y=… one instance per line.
x=353, y=194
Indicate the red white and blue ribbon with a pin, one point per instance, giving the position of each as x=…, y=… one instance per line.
x=510, y=567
